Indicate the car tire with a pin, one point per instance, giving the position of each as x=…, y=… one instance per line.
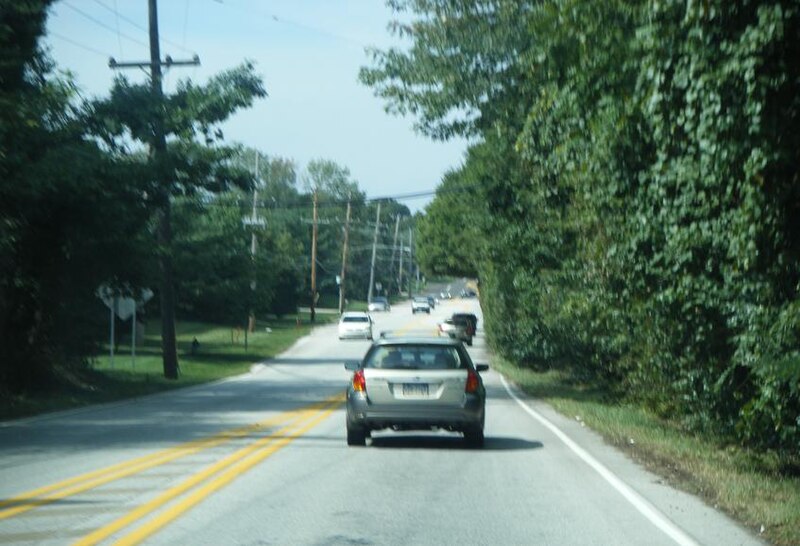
x=356, y=437
x=474, y=438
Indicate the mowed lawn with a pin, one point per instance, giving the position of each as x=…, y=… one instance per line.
x=221, y=352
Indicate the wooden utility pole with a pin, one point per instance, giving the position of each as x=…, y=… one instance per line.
x=168, y=344
x=344, y=260
x=410, y=263
x=158, y=148
x=394, y=249
x=374, y=247
x=314, y=261
x=400, y=271
x=254, y=222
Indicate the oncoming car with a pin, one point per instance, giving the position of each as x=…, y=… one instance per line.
x=355, y=324
x=416, y=383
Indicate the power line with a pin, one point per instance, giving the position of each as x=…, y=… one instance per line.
x=140, y=27
x=105, y=26
x=343, y=202
x=303, y=26
x=116, y=20
x=78, y=44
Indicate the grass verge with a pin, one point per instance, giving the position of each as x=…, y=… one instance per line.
x=221, y=353
x=759, y=489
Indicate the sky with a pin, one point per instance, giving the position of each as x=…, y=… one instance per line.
x=308, y=53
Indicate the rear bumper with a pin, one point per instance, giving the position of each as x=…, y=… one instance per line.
x=362, y=413
x=459, y=335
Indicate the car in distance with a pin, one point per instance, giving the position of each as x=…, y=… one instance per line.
x=431, y=301
x=456, y=328
x=379, y=303
x=355, y=325
x=416, y=383
x=420, y=304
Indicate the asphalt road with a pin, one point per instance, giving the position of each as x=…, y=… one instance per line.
x=261, y=459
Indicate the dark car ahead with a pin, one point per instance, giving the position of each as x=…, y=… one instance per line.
x=456, y=329
x=471, y=318
x=416, y=384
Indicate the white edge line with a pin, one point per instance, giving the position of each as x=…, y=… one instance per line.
x=640, y=503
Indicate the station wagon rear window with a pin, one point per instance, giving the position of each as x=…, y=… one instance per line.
x=415, y=357
x=355, y=319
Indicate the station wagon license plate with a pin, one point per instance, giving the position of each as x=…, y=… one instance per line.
x=415, y=389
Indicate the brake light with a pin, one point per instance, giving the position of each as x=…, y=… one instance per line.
x=359, y=381
x=472, y=381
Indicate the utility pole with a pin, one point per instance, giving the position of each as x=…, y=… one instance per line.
x=344, y=259
x=410, y=263
x=400, y=271
x=254, y=221
x=394, y=249
x=314, y=261
x=374, y=245
x=164, y=229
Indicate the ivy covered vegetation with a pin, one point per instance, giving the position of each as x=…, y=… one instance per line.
x=631, y=199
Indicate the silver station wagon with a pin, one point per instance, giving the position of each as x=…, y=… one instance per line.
x=416, y=383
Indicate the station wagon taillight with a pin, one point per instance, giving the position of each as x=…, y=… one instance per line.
x=472, y=381
x=359, y=381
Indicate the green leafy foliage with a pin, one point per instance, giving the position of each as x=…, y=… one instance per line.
x=638, y=213
x=63, y=232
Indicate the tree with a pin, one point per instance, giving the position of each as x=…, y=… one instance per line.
x=194, y=160
x=637, y=164
x=64, y=231
x=462, y=74
x=448, y=238
x=214, y=266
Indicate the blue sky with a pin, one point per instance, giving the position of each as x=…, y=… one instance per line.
x=308, y=53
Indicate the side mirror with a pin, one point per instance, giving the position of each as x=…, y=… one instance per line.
x=481, y=367
x=353, y=365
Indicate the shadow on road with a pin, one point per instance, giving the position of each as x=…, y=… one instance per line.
x=492, y=443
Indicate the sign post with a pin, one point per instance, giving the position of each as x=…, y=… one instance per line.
x=124, y=308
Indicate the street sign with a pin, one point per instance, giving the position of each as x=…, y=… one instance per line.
x=124, y=308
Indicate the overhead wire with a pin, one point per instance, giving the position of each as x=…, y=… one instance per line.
x=77, y=44
x=331, y=203
x=275, y=18
x=142, y=28
x=102, y=24
x=116, y=19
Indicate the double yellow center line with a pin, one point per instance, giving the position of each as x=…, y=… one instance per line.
x=194, y=489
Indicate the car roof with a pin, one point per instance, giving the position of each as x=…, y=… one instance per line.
x=418, y=340
x=354, y=314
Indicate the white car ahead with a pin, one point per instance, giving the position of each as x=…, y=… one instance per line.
x=355, y=324
x=420, y=304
